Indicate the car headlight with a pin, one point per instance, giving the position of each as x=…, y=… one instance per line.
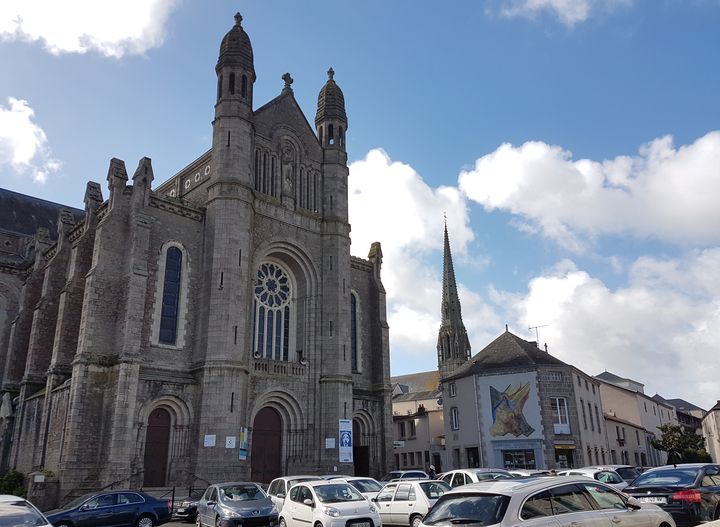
x=273, y=511
x=332, y=512
x=373, y=509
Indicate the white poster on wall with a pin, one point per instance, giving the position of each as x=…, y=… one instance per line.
x=346, y=441
x=209, y=440
x=230, y=442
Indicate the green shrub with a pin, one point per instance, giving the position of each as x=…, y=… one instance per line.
x=12, y=482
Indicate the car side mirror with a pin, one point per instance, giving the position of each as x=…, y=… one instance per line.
x=83, y=508
x=633, y=504
x=210, y=503
x=308, y=502
x=281, y=495
x=373, y=499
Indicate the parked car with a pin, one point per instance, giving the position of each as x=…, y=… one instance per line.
x=407, y=502
x=405, y=474
x=456, y=478
x=186, y=509
x=331, y=503
x=626, y=472
x=688, y=491
x=114, y=507
x=529, y=473
x=368, y=487
x=279, y=487
x=543, y=502
x=604, y=475
x=334, y=476
x=19, y=511
x=236, y=503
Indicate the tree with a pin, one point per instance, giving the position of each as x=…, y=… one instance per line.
x=682, y=444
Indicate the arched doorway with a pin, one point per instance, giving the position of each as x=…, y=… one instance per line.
x=266, y=450
x=157, y=442
x=361, y=451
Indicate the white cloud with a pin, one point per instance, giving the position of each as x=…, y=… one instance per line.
x=661, y=329
x=113, y=29
x=569, y=12
x=663, y=193
x=390, y=203
x=23, y=144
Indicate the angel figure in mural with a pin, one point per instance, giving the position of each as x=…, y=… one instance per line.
x=507, y=411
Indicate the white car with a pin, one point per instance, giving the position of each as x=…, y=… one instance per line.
x=528, y=473
x=456, y=478
x=543, y=502
x=407, y=502
x=327, y=504
x=605, y=475
x=19, y=511
x=279, y=487
x=368, y=487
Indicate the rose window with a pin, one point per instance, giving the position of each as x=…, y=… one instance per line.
x=272, y=287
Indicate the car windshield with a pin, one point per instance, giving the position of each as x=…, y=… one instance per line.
x=391, y=475
x=14, y=513
x=669, y=476
x=468, y=509
x=241, y=493
x=366, y=485
x=337, y=492
x=628, y=472
x=434, y=489
x=485, y=476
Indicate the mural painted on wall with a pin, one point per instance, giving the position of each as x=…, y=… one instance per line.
x=509, y=407
x=507, y=411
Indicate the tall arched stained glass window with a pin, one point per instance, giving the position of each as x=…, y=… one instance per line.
x=273, y=296
x=171, y=296
x=353, y=334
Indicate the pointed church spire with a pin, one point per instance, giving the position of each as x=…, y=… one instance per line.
x=453, y=344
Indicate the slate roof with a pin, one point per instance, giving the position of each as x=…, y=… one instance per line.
x=506, y=352
x=417, y=396
x=23, y=214
x=615, y=379
x=424, y=381
x=683, y=405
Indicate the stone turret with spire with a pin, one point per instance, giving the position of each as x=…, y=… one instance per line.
x=453, y=345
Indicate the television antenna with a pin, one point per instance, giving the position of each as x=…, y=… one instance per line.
x=537, y=337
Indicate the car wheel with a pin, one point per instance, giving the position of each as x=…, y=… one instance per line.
x=282, y=522
x=218, y=523
x=198, y=522
x=145, y=521
x=415, y=521
x=62, y=524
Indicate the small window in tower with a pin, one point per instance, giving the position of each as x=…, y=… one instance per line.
x=341, y=136
x=321, y=135
x=220, y=81
x=243, y=86
x=232, y=84
x=331, y=135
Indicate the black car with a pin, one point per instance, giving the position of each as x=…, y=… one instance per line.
x=186, y=509
x=690, y=492
x=117, y=508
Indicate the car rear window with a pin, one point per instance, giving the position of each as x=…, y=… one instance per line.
x=433, y=490
x=454, y=509
x=628, y=472
x=669, y=476
x=13, y=513
x=366, y=485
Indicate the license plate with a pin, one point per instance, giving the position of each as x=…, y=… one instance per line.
x=651, y=499
x=361, y=524
x=181, y=510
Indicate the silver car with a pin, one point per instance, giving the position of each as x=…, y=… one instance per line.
x=407, y=502
x=232, y=504
x=463, y=476
x=279, y=487
x=543, y=502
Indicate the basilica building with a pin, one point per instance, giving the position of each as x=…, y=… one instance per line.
x=213, y=327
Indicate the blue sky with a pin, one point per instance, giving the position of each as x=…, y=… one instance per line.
x=574, y=144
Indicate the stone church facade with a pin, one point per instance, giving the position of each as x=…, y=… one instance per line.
x=145, y=336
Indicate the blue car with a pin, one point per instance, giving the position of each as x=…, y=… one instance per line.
x=114, y=508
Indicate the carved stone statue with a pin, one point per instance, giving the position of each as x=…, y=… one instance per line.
x=288, y=170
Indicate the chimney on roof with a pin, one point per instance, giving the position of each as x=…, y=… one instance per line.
x=506, y=328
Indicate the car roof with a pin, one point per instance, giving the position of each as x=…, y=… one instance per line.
x=286, y=478
x=236, y=483
x=684, y=465
x=4, y=498
x=510, y=486
x=321, y=482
